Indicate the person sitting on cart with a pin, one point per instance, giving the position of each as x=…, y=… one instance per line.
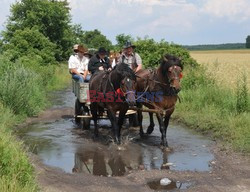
x=130, y=57
x=99, y=61
x=78, y=64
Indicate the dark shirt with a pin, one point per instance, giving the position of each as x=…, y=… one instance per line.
x=95, y=62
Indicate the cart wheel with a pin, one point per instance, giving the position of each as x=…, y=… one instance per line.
x=78, y=111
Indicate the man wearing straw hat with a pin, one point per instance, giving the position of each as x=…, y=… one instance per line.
x=78, y=64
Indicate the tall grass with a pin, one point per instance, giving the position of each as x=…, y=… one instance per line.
x=23, y=91
x=242, y=94
x=214, y=109
x=60, y=79
x=16, y=172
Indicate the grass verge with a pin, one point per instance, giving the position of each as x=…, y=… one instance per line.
x=16, y=171
x=60, y=79
x=214, y=110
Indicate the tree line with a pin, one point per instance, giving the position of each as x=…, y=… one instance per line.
x=216, y=46
x=43, y=29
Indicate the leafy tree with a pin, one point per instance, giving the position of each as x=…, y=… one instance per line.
x=51, y=18
x=78, y=34
x=248, y=41
x=1, y=46
x=95, y=39
x=30, y=42
x=152, y=52
x=122, y=39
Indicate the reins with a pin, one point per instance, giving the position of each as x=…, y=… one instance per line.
x=151, y=80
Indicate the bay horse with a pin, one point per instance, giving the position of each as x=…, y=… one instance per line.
x=113, y=90
x=158, y=90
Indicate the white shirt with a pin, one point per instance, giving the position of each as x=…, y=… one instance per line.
x=75, y=63
x=113, y=63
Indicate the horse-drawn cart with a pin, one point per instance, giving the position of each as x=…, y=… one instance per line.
x=82, y=105
x=82, y=110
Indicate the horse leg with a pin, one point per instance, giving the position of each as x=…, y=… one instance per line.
x=122, y=114
x=166, y=122
x=115, y=128
x=94, y=108
x=162, y=129
x=151, y=125
x=140, y=117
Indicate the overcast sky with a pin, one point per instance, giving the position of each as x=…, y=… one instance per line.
x=186, y=22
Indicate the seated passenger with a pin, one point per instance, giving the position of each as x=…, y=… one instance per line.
x=99, y=61
x=78, y=64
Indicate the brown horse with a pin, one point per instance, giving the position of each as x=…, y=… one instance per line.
x=158, y=91
x=114, y=91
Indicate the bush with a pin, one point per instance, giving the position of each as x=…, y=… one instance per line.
x=152, y=52
x=32, y=43
x=46, y=72
x=21, y=90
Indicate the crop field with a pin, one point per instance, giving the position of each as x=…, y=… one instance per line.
x=225, y=65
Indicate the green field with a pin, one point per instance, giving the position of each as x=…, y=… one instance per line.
x=225, y=65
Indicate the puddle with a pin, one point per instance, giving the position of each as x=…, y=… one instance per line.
x=173, y=186
x=61, y=145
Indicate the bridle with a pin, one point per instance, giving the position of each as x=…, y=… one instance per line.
x=125, y=92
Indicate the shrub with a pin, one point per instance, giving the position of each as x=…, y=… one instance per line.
x=32, y=43
x=21, y=90
x=152, y=51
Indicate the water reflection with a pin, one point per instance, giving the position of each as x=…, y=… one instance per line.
x=110, y=162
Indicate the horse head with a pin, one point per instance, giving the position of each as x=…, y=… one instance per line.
x=127, y=82
x=171, y=68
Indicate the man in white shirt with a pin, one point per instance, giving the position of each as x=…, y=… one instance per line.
x=78, y=64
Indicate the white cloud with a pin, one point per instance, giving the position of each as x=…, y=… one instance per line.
x=153, y=2
x=234, y=10
x=4, y=10
x=171, y=22
x=175, y=20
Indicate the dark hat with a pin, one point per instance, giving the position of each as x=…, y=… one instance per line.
x=128, y=44
x=102, y=50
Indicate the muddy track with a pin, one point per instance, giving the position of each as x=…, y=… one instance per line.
x=226, y=171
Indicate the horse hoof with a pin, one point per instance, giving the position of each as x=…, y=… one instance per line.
x=164, y=144
x=142, y=134
x=118, y=141
x=150, y=130
x=166, y=149
x=95, y=136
